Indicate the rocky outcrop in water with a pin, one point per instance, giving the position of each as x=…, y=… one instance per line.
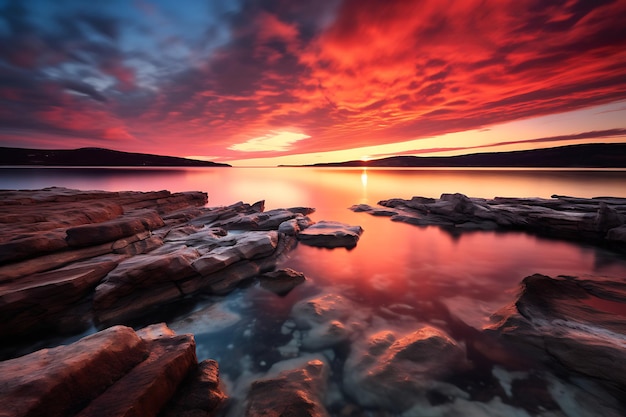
x=329, y=234
x=577, y=323
x=281, y=281
x=600, y=220
x=116, y=372
x=70, y=259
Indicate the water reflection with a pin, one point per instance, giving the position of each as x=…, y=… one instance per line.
x=398, y=279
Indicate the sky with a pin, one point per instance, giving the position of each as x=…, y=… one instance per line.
x=267, y=82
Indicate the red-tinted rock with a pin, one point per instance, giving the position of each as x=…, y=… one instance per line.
x=61, y=381
x=147, y=388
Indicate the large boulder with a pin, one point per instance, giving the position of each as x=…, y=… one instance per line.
x=331, y=234
x=116, y=372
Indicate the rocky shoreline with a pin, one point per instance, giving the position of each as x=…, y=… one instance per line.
x=98, y=262
x=72, y=260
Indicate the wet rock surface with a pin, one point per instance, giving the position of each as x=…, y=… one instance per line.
x=598, y=220
x=116, y=372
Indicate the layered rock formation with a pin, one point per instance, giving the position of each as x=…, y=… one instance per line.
x=116, y=372
x=599, y=220
x=70, y=259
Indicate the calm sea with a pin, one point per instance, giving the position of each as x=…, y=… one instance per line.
x=399, y=276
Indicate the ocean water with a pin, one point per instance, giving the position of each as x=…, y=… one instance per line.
x=398, y=279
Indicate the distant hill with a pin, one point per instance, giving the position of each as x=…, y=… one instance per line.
x=593, y=155
x=94, y=157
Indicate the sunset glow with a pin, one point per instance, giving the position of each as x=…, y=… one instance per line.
x=276, y=82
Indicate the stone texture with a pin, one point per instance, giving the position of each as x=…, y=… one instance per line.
x=201, y=394
x=116, y=372
x=297, y=392
x=595, y=220
x=147, y=388
x=36, y=303
x=93, y=234
x=330, y=234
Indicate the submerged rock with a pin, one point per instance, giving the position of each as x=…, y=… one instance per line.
x=327, y=321
x=297, y=392
x=330, y=234
x=395, y=372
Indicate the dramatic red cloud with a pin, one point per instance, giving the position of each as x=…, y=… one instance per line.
x=404, y=69
x=279, y=77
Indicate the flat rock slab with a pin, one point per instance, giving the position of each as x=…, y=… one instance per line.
x=329, y=234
